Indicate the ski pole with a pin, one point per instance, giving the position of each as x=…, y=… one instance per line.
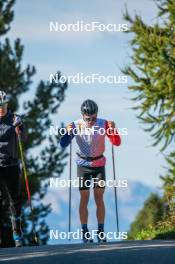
x=27, y=185
x=115, y=189
x=70, y=186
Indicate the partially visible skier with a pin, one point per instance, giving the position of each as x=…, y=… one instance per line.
x=10, y=173
x=91, y=161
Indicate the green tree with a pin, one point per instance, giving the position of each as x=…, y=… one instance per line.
x=151, y=213
x=153, y=75
x=38, y=112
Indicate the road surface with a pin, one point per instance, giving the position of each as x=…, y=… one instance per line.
x=127, y=252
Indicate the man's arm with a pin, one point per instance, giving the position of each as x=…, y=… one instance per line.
x=67, y=138
x=112, y=133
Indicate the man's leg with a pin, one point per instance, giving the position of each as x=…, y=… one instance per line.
x=1, y=212
x=83, y=209
x=84, y=185
x=99, y=189
x=13, y=184
x=100, y=212
x=5, y=224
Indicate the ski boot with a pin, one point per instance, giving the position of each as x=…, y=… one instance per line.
x=17, y=232
x=87, y=237
x=17, y=239
x=101, y=236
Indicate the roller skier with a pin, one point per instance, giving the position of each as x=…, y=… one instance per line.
x=91, y=162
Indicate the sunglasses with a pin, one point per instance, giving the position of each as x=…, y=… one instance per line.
x=90, y=119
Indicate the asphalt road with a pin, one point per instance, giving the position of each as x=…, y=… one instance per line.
x=135, y=252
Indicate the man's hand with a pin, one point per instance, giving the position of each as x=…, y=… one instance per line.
x=111, y=125
x=69, y=128
x=17, y=121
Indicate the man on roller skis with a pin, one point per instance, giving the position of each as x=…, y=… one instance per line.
x=10, y=173
x=91, y=161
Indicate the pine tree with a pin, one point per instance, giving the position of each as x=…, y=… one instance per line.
x=153, y=75
x=38, y=113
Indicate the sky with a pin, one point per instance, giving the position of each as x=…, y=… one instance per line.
x=91, y=52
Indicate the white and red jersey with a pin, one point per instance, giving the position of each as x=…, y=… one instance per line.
x=91, y=141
